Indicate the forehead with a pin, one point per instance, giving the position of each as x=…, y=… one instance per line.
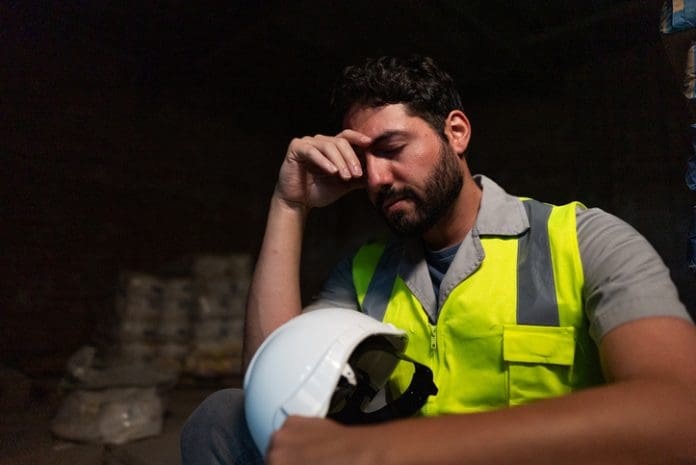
x=373, y=121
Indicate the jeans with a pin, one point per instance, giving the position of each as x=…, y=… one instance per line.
x=217, y=433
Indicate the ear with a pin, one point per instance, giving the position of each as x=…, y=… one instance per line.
x=458, y=131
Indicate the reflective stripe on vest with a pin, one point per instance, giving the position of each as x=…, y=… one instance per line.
x=512, y=332
x=536, y=291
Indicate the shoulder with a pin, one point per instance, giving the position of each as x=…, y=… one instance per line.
x=611, y=246
x=625, y=278
x=339, y=289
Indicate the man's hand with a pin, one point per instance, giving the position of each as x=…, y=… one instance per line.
x=318, y=170
x=643, y=415
x=318, y=441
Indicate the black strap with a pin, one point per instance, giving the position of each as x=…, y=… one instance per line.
x=407, y=405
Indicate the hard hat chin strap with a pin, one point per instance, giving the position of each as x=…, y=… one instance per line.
x=408, y=404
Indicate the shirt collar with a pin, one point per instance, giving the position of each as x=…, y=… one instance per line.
x=500, y=213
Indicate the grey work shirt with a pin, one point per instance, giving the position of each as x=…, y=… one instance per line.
x=625, y=279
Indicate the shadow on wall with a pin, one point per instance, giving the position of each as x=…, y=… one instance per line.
x=102, y=179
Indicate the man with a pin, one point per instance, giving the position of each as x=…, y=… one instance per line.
x=499, y=295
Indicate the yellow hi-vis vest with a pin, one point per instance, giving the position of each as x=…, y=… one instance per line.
x=512, y=332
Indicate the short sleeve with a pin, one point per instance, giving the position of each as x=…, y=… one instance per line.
x=338, y=289
x=625, y=278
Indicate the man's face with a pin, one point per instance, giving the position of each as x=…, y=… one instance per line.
x=413, y=175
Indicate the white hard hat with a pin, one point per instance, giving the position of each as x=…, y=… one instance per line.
x=328, y=362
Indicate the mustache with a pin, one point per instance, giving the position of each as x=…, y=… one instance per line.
x=390, y=194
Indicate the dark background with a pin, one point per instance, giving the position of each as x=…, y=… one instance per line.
x=136, y=134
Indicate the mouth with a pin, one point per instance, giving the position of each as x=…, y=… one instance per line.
x=393, y=203
x=390, y=203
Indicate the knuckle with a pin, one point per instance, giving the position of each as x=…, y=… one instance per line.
x=345, y=144
x=299, y=142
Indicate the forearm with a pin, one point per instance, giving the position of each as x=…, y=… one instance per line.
x=644, y=415
x=274, y=294
x=638, y=421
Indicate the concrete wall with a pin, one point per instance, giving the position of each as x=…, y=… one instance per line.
x=99, y=177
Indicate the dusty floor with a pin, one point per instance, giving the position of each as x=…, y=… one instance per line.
x=25, y=437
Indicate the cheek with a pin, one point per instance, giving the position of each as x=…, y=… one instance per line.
x=413, y=175
x=420, y=159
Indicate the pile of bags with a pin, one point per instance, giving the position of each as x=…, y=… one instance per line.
x=161, y=328
x=153, y=320
x=217, y=324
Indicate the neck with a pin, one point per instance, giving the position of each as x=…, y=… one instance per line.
x=456, y=224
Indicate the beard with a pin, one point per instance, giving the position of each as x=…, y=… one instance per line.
x=442, y=187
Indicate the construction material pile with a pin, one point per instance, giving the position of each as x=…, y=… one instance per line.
x=161, y=329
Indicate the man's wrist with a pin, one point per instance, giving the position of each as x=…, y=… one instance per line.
x=289, y=206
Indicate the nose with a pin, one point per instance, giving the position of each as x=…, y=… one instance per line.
x=379, y=172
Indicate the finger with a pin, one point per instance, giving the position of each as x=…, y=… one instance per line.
x=273, y=456
x=355, y=137
x=351, y=156
x=303, y=151
x=342, y=157
x=347, y=152
x=309, y=153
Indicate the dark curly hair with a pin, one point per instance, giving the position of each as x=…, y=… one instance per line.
x=417, y=82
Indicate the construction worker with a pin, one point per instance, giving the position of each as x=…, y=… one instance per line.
x=554, y=333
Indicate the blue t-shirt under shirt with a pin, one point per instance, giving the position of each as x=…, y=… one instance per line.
x=438, y=263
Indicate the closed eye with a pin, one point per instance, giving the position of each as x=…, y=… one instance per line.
x=389, y=151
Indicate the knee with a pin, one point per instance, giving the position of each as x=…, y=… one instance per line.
x=219, y=415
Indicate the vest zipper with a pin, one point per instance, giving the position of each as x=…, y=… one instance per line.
x=433, y=338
